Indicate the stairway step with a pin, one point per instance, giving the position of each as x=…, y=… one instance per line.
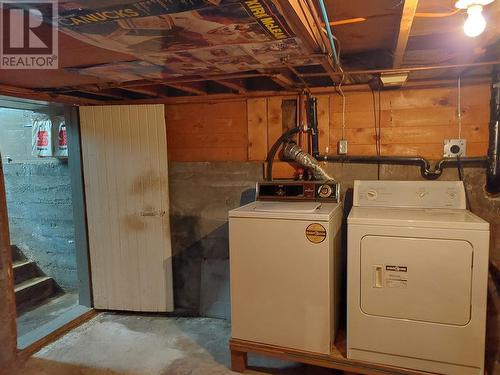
x=34, y=290
x=24, y=270
x=17, y=254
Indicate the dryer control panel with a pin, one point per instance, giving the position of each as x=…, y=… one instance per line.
x=326, y=191
x=417, y=194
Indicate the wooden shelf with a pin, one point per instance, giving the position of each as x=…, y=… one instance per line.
x=336, y=360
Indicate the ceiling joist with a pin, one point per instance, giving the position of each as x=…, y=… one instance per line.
x=153, y=92
x=235, y=85
x=195, y=88
x=284, y=80
x=407, y=17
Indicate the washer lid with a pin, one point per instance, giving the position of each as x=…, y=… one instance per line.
x=288, y=210
x=417, y=217
x=296, y=207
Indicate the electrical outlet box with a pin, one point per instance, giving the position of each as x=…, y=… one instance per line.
x=454, y=148
x=342, y=147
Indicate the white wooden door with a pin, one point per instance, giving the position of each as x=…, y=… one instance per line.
x=126, y=189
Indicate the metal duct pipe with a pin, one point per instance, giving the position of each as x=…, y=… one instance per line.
x=425, y=167
x=493, y=169
x=294, y=152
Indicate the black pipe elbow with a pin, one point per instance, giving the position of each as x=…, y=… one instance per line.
x=493, y=169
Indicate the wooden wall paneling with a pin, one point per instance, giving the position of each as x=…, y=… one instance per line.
x=432, y=151
x=257, y=129
x=281, y=169
x=207, y=131
x=415, y=98
x=412, y=121
x=274, y=121
x=360, y=122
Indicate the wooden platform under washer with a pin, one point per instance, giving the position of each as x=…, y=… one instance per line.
x=336, y=360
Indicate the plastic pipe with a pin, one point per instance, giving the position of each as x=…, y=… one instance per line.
x=328, y=30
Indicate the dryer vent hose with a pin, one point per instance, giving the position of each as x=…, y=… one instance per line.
x=294, y=152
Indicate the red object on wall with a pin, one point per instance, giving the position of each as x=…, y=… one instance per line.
x=63, y=140
x=42, y=138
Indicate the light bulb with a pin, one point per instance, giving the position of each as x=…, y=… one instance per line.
x=475, y=23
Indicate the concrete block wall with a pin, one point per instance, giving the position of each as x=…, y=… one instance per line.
x=41, y=217
x=38, y=199
x=201, y=193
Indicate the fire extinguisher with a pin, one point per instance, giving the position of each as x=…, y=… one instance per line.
x=62, y=145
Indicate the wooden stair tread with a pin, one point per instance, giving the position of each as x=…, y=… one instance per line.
x=21, y=263
x=31, y=282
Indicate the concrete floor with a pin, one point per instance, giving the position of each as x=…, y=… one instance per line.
x=113, y=344
x=39, y=315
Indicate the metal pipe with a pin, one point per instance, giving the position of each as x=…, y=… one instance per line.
x=425, y=167
x=293, y=152
x=328, y=31
x=493, y=169
x=312, y=104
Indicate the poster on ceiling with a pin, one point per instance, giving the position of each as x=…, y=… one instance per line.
x=185, y=37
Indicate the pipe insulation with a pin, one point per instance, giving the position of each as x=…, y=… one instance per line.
x=294, y=152
x=493, y=168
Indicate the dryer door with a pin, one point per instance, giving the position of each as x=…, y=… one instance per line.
x=421, y=279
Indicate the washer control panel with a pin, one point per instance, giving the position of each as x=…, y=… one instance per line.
x=418, y=194
x=327, y=191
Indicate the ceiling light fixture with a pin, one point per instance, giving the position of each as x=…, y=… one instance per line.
x=393, y=79
x=475, y=23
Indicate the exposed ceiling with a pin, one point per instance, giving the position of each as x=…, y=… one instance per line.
x=222, y=48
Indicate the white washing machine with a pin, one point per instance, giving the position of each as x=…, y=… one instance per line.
x=417, y=277
x=285, y=257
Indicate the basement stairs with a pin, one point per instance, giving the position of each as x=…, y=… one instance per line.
x=32, y=286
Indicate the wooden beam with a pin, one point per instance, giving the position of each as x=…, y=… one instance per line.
x=191, y=89
x=284, y=80
x=302, y=23
x=154, y=92
x=24, y=354
x=236, y=85
x=409, y=69
x=357, y=87
x=8, y=335
x=102, y=94
x=21, y=92
x=407, y=17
